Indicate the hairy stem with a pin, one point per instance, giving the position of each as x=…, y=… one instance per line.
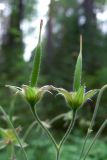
x=11, y=111
x=58, y=154
x=29, y=129
x=43, y=127
x=93, y=119
x=14, y=131
x=57, y=118
x=10, y=151
x=83, y=147
x=95, y=138
x=66, y=134
x=97, y=105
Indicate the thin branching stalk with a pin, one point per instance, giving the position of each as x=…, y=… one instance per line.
x=29, y=130
x=10, y=151
x=84, y=144
x=11, y=111
x=58, y=154
x=66, y=134
x=95, y=138
x=57, y=118
x=14, y=131
x=97, y=105
x=93, y=119
x=44, y=128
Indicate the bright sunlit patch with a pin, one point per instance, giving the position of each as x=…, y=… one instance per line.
x=80, y=1
x=2, y=6
x=5, y=9
x=102, y=20
x=102, y=16
x=43, y=7
x=31, y=39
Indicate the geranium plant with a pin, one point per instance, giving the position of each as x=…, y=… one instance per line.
x=75, y=99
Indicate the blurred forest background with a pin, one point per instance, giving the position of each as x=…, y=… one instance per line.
x=66, y=20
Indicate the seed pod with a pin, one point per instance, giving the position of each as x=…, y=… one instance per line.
x=37, y=61
x=78, y=69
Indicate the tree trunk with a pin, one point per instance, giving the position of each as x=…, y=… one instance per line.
x=12, y=47
x=88, y=6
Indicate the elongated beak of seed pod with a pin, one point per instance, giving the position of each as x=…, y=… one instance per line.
x=37, y=60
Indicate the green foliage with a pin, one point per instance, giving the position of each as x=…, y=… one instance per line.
x=29, y=10
x=72, y=147
x=74, y=99
x=8, y=137
x=67, y=17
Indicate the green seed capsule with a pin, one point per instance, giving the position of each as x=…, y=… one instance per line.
x=37, y=61
x=78, y=70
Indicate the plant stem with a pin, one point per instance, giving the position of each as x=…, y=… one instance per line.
x=85, y=141
x=66, y=134
x=29, y=129
x=93, y=119
x=43, y=127
x=10, y=151
x=95, y=138
x=12, y=105
x=97, y=105
x=57, y=154
x=14, y=131
x=57, y=118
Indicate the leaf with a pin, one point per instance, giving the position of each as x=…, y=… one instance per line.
x=8, y=135
x=78, y=70
x=68, y=116
x=2, y=144
x=14, y=131
x=46, y=124
x=3, y=133
x=22, y=142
